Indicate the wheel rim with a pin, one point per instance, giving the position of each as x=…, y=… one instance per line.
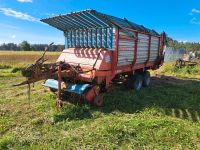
x=147, y=81
x=138, y=85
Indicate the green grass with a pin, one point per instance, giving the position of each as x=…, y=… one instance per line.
x=185, y=72
x=163, y=116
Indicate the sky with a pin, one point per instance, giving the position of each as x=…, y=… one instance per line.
x=19, y=19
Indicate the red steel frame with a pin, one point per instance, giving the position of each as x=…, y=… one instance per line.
x=134, y=66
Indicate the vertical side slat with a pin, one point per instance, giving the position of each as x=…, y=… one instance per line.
x=82, y=39
x=90, y=38
x=66, y=39
x=110, y=37
x=85, y=38
x=73, y=42
x=94, y=38
x=77, y=38
x=99, y=37
x=105, y=37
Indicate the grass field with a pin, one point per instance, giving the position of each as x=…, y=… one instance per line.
x=165, y=115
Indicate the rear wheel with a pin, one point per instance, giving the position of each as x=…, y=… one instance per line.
x=146, y=78
x=135, y=82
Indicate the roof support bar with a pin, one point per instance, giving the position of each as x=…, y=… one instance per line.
x=91, y=20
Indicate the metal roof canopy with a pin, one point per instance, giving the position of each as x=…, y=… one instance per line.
x=88, y=19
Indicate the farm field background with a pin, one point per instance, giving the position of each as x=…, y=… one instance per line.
x=165, y=115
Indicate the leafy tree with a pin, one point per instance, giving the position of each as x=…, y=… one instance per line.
x=25, y=46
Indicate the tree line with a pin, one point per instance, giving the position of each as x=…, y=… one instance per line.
x=25, y=46
x=188, y=46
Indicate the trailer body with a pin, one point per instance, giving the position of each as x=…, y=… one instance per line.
x=103, y=47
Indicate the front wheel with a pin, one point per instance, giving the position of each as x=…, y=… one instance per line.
x=146, y=78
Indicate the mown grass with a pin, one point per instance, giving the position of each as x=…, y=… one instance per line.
x=163, y=116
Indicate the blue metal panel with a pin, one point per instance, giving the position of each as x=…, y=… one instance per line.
x=77, y=38
x=77, y=88
x=90, y=38
x=84, y=39
x=99, y=37
x=74, y=88
x=110, y=37
x=51, y=83
x=97, y=19
x=81, y=38
x=57, y=23
x=85, y=20
x=96, y=24
x=68, y=24
x=70, y=38
x=74, y=23
x=94, y=38
x=63, y=23
x=84, y=25
x=105, y=37
x=66, y=39
x=72, y=32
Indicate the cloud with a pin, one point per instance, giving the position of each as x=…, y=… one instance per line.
x=195, y=10
x=195, y=13
x=13, y=36
x=16, y=14
x=195, y=21
x=25, y=1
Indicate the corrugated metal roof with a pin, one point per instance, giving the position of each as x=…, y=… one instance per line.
x=88, y=19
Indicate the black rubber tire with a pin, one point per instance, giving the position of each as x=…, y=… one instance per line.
x=53, y=90
x=135, y=82
x=146, y=79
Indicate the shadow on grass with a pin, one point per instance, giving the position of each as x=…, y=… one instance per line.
x=175, y=97
x=75, y=113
